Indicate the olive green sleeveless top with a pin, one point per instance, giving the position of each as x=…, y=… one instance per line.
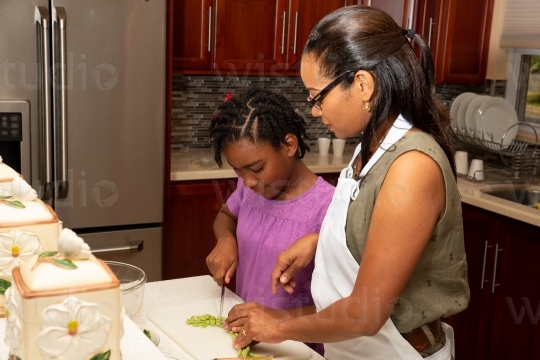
x=438, y=286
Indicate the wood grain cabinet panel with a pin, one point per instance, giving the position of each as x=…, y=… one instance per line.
x=502, y=319
x=251, y=35
x=303, y=15
x=463, y=33
x=192, y=34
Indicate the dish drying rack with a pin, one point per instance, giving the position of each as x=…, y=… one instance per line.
x=516, y=162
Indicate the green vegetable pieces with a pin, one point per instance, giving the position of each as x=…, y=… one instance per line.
x=210, y=320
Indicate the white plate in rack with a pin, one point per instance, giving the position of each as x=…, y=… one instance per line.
x=472, y=112
x=455, y=107
x=462, y=111
x=498, y=117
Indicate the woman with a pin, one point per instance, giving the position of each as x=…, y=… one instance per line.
x=390, y=260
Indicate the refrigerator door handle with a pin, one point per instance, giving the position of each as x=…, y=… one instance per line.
x=44, y=101
x=60, y=119
x=134, y=246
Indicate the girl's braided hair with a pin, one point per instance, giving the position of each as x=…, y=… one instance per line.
x=257, y=115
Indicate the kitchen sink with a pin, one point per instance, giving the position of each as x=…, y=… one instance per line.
x=525, y=196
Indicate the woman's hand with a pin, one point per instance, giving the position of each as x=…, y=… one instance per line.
x=295, y=257
x=255, y=322
x=223, y=260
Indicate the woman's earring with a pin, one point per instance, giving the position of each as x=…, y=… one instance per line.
x=367, y=106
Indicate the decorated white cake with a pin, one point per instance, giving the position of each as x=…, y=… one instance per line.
x=27, y=226
x=64, y=305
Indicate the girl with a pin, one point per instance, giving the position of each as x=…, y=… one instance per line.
x=277, y=201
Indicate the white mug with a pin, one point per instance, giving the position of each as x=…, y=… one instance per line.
x=476, y=170
x=462, y=162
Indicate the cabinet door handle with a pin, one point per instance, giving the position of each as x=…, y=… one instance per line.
x=495, y=268
x=484, y=265
x=283, y=33
x=295, y=31
x=209, y=28
x=133, y=246
x=431, y=23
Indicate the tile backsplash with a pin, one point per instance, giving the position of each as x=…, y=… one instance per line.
x=195, y=99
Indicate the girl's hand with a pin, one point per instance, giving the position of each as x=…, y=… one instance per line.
x=223, y=260
x=254, y=322
x=295, y=257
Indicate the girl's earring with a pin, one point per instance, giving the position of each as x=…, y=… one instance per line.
x=367, y=106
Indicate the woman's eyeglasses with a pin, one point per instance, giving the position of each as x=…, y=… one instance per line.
x=316, y=100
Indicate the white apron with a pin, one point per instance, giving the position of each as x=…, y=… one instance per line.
x=336, y=271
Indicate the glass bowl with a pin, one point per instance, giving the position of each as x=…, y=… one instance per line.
x=132, y=283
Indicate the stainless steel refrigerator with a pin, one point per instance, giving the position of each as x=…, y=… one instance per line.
x=82, y=112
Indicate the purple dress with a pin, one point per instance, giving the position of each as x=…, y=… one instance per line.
x=266, y=228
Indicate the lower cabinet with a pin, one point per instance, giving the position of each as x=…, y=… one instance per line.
x=189, y=218
x=502, y=319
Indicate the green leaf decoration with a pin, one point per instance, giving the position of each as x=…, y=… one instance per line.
x=4, y=285
x=47, y=254
x=15, y=203
x=103, y=356
x=4, y=197
x=65, y=263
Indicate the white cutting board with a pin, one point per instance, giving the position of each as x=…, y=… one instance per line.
x=215, y=342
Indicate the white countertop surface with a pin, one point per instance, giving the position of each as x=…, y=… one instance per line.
x=199, y=164
x=473, y=194
x=135, y=345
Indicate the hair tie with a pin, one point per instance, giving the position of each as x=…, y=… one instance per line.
x=409, y=33
x=228, y=97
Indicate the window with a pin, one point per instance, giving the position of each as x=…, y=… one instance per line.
x=523, y=86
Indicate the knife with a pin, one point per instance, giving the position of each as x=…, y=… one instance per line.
x=222, y=298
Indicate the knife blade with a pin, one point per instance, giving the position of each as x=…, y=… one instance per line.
x=222, y=298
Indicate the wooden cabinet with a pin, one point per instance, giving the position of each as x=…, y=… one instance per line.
x=302, y=17
x=244, y=37
x=250, y=35
x=501, y=321
x=402, y=11
x=460, y=32
x=189, y=236
x=192, y=34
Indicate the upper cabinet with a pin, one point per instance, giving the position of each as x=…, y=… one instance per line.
x=248, y=37
x=192, y=34
x=303, y=15
x=402, y=11
x=266, y=37
x=459, y=34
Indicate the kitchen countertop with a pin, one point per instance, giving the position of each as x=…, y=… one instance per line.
x=199, y=164
x=180, y=291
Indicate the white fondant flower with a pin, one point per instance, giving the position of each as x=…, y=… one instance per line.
x=15, y=249
x=71, y=246
x=0, y=159
x=20, y=189
x=72, y=330
x=13, y=323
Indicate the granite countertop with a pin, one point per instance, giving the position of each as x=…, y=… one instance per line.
x=199, y=164
x=167, y=293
